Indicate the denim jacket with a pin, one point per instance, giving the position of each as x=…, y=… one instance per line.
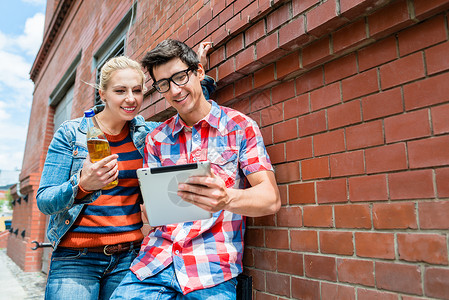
x=60, y=176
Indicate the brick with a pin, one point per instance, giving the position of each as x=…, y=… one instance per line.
x=244, y=86
x=304, y=240
x=287, y=172
x=317, y=216
x=364, y=135
x=301, y=193
x=331, y=191
x=425, y=8
x=433, y=215
x=299, y=6
x=360, y=85
x=340, y=68
x=315, y=168
x=436, y=282
x=289, y=217
x=305, y=288
x=283, y=91
x=224, y=95
x=429, y=152
x=356, y=271
x=349, y=36
x=436, y=58
x=355, y=8
x=296, y=107
x=245, y=61
x=422, y=35
x=329, y=142
x=364, y=294
x=347, y=164
x=264, y=78
x=383, y=104
x=411, y=185
x=254, y=33
x=255, y=237
x=316, y=53
x=352, y=216
x=288, y=66
x=283, y=193
x=293, y=35
x=426, y=92
x=217, y=57
x=323, y=18
x=290, y=263
x=429, y=248
x=299, y=149
x=402, y=71
x=312, y=123
x=394, y=216
x=278, y=284
x=374, y=245
x=339, y=243
x=389, y=19
x=377, y=54
x=267, y=49
x=344, y=114
x=309, y=81
x=263, y=100
x=273, y=114
x=368, y=188
x=226, y=69
x=399, y=278
x=218, y=7
x=285, y=131
x=239, y=5
x=326, y=96
x=386, y=158
x=267, y=134
x=320, y=267
x=276, y=238
x=442, y=178
x=276, y=153
x=337, y=291
x=277, y=18
x=264, y=259
x=407, y=126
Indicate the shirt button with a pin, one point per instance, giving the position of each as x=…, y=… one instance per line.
x=177, y=252
x=67, y=222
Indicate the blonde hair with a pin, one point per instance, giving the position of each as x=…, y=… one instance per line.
x=118, y=63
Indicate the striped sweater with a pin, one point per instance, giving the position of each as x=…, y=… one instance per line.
x=115, y=217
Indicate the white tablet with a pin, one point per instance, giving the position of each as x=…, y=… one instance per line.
x=159, y=187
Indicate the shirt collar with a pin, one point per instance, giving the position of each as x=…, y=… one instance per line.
x=212, y=118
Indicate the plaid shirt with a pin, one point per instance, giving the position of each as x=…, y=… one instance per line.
x=206, y=252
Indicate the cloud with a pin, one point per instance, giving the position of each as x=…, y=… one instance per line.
x=16, y=89
x=35, y=2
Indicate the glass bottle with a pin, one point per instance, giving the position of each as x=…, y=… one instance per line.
x=97, y=144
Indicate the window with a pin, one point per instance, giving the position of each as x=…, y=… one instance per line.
x=115, y=45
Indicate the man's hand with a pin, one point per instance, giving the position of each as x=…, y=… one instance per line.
x=209, y=193
x=95, y=176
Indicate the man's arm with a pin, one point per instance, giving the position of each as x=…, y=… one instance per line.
x=211, y=194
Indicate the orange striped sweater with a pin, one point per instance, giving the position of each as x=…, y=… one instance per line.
x=115, y=217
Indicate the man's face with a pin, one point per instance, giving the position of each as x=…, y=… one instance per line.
x=187, y=99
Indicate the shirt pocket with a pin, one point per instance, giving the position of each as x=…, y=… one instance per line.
x=224, y=162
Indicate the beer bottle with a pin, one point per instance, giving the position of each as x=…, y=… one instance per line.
x=97, y=144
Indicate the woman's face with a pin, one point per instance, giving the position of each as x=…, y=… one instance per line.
x=123, y=96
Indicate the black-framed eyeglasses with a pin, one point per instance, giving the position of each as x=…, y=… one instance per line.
x=179, y=78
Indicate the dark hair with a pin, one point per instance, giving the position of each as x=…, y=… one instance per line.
x=168, y=50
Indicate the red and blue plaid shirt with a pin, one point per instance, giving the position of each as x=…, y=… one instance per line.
x=207, y=252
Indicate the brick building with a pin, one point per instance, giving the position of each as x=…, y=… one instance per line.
x=352, y=98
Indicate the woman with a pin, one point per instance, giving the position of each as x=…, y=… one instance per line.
x=96, y=233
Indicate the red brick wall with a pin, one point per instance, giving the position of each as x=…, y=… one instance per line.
x=352, y=99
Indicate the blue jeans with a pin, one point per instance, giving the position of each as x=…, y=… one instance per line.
x=165, y=286
x=86, y=275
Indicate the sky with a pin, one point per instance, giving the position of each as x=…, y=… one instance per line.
x=21, y=33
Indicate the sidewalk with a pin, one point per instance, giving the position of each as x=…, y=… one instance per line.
x=18, y=285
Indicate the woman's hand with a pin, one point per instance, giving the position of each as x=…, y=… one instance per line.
x=95, y=176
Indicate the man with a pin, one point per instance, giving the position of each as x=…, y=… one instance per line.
x=200, y=260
